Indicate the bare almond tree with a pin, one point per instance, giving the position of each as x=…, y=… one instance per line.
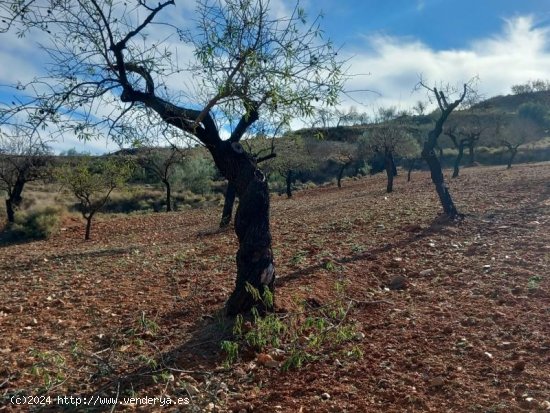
x=162, y=163
x=515, y=134
x=389, y=139
x=23, y=158
x=445, y=107
x=452, y=132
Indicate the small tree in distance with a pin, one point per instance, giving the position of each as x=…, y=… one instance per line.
x=465, y=134
x=388, y=140
x=343, y=154
x=459, y=143
x=162, y=163
x=92, y=182
x=515, y=134
x=23, y=159
x=292, y=157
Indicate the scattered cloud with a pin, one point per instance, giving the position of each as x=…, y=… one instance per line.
x=95, y=147
x=388, y=65
x=519, y=53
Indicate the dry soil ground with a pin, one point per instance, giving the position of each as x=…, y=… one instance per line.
x=136, y=311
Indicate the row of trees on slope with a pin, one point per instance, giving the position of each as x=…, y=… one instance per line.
x=91, y=180
x=24, y=160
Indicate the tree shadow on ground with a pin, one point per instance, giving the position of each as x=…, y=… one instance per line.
x=8, y=238
x=200, y=355
x=107, y=252
x=416, y=233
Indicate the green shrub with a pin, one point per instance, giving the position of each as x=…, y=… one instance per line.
x=276, y=183
x=534, y=111
x=364, y=170
x=307, y=185
x=197, y=174
x=36, y=224
x=310, y=334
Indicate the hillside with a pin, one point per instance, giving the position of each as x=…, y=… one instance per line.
x=445, y=317
x=511, y=103
x=487, y=113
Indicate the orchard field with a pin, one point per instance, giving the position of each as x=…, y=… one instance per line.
x=382, y=306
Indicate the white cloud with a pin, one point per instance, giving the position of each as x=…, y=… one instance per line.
x=19, y=57
x=517, y=54
x=94, y=147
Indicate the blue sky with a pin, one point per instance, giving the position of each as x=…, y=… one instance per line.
x=389, y=44
x=440, y=24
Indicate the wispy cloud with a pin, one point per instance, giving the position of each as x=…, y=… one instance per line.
x=519, y=52
x=516, y=54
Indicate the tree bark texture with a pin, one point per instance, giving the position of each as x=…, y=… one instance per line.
x=456, y=169
x=288, y=179
x=168, y=195
x=438, y=180
x=391, y=171
x=228, y=203
x=10, y=211
x=254, y=257
x=393, y=166
x=88, y=227
x=14, y=200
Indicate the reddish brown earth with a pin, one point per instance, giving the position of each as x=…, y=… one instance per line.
x=470, y=332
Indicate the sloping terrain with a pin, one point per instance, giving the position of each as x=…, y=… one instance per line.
x=136, y=311
x=511, y=103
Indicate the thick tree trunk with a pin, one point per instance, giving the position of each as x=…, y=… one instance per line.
x=428, y=151
x=168, y=195
x=10, y=211
x=411, y=166
x=254, y=258
x=471, y=158
x=393, y=166
x=289, y=183
x=14, y=200
x=513, y=153
x=228, y=203
x=229, y=198
x=458, y=159
x=390, y=171
x=88, y=226
x=439, y=182
x=341, y=173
